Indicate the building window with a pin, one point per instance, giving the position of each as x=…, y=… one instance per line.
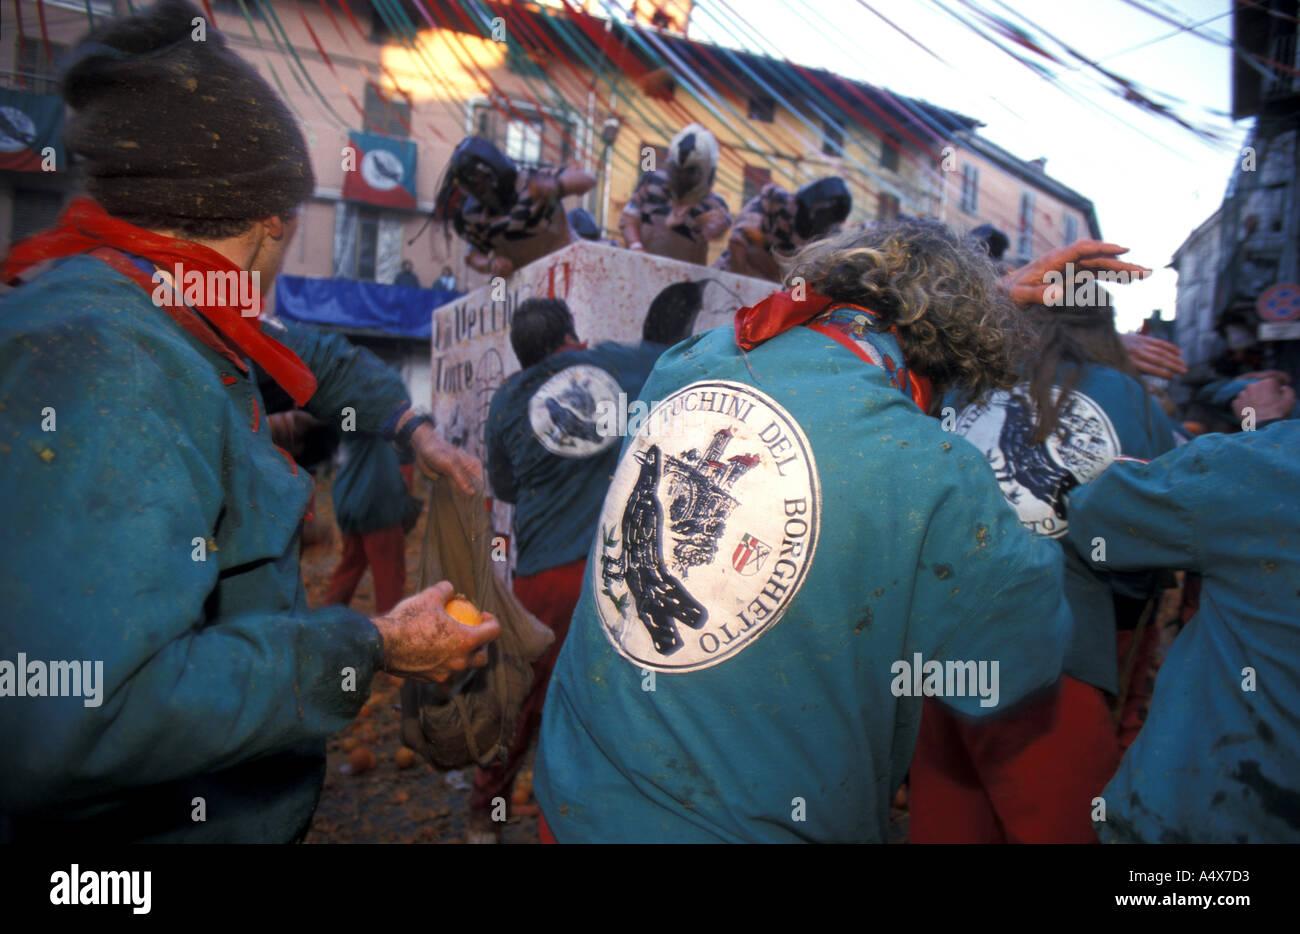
x=889, y=153
x=886, y=206
x=367, y=242
x=762, y=108
x=753, y=179
x=525, y=135
x=1071, y=228
x=1025, y=241
x=970, y=189
x=832, y=139
x=389, y=115
x=35, y=68
x=524, y=142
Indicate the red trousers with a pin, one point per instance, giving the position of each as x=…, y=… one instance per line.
x=551, y=596
x=1140, y=684
x=385, y=551
x=1027, y=777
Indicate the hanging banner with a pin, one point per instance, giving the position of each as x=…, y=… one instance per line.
x=31, y=132
x=346, y=303
x=380, y=171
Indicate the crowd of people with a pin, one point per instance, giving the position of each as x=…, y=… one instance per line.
x=901, y=535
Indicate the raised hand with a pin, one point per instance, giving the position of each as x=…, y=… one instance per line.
x=1028, y=286
x=1153, y=356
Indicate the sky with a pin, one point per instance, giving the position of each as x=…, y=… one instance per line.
x=1152, y=181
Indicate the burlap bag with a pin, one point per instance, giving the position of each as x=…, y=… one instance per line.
x=476, y=724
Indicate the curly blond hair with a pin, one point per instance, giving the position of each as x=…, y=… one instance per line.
x=955, y=324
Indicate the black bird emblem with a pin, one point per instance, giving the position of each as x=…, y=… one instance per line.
x=571, y=425
x=661, y=600
x=1028, y=464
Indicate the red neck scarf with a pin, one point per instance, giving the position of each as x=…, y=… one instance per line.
x=85, y=226
x=776, y=314
x=781, y=311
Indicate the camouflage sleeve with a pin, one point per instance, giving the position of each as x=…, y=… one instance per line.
x=474, y=232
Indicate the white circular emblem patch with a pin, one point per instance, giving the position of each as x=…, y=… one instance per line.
x=381, y=169
x=22, y=125
x=565, y=411
x=708, y=529
x=1035, y=478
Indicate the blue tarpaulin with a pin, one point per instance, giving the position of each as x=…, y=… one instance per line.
x=347, y=303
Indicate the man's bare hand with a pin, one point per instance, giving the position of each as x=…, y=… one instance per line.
x=438, y=458
x=422, y=642
x=1270, y=398
x=288, y=428
x=1026, y=285
x=501, y=266
x=1153, y=356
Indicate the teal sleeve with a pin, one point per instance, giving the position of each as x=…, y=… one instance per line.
x=98, y=559
x=998, y=587
x=501, y=475
x=347, y=376
x=1141, y=516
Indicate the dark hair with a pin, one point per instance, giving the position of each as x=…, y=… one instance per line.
x=198, y=228
x=672, y=314
x=539, y=328
x=191, y=228
x=936, y=290
x=1072, y=337
x=994, y=240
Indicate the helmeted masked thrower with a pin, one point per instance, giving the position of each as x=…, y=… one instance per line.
x=484, y=173
x=692, y=162
x=820, y=206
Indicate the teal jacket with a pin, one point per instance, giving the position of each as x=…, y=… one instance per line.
x=551, y=454
x=153, y=530
x=1218, y=759
x=1110, y=415
x=369, y=490
x=781, y=541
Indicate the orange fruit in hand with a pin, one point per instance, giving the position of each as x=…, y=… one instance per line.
x=464, y=612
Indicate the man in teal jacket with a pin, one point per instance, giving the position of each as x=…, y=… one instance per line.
x=1218, y=760
x=161, y=675
x=370, y=500
x=791, y=555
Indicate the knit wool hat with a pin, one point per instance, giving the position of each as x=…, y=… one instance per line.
x=171, y=126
